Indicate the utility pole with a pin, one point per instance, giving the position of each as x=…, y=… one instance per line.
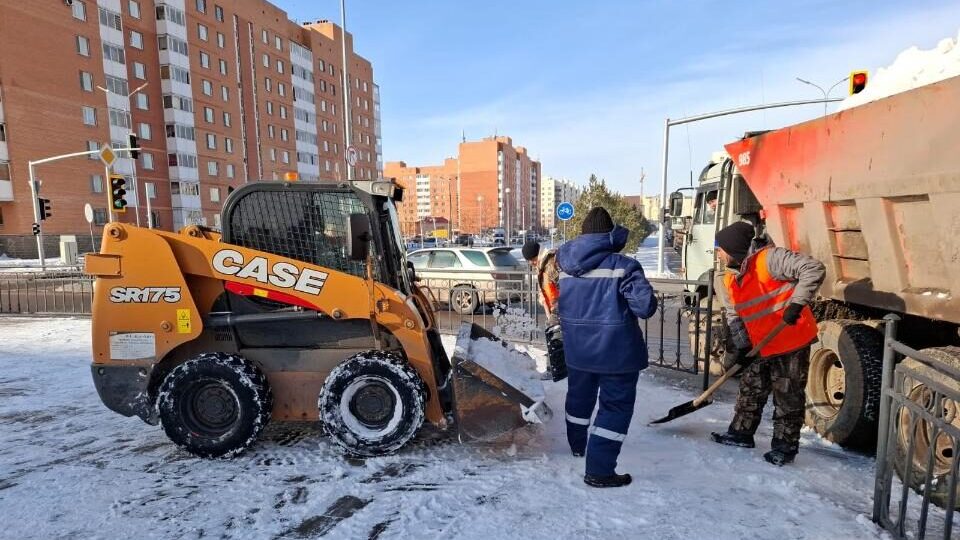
x=133, y=166
x=347, y=117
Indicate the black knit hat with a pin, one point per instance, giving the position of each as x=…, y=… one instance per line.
x=530, y=250
x=597, y=221
x=735, y=240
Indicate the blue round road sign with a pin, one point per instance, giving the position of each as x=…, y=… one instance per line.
x=565, y=211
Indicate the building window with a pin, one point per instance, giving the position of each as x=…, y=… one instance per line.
x=332, y=70
x=225, y=93
x=99, y=216
x=147, y=161
x=211, y=141
x=212, y=168
x=136, y=40
x=284, y=134
x=145, y=132
x=321, y=66
x=208, y=115
x=202, y=6
x=228, y=145
x=214, y=194
x=151, y=191
x=218, y=13
x=168, y=42
x=79, y=10
x=223, y=67
x=83, y=46
x=268, y=84
x=273, y=154
x=202, y=32
x=119, y=118
x=204, y=60
x=207, y=87
x=271, y=132
x=139, y=71
x=89, y=116
x=364, y=86
x=270, y=108
x=264, y=36
x=221, y=40
x=96, y=183
x=112, y=52
x=266, y=60
x=230, y=170
x=226, y=119
x=91, y=147
x=282, y=89
x=280, y=66
x=117, y=85
x=326, y=146
x=285, y=157
x=172, y=14
x=143, y=101
x=86, y=81
x=111, y=19
x=133, y=7
x=283, y=112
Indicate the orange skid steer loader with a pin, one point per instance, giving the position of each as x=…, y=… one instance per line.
x=303, y=309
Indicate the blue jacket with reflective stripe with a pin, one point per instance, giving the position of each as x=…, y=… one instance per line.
x=602, y=296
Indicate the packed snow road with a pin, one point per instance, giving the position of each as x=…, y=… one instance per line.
x=71, y=468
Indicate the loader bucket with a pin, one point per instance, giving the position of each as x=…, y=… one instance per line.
x=496, y=388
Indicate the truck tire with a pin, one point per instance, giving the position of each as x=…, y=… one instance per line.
x=843, y=383
x=214, y=405
x=464, y=300
x=943, y=446
x=372, y=403
x=698, y=342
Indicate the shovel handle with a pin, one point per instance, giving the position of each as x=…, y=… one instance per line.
x=736, y=369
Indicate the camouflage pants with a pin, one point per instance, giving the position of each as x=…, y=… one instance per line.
x=786, y=377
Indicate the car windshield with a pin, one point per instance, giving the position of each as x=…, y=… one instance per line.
x=502, y=257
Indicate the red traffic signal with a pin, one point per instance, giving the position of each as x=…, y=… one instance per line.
x=858, y=81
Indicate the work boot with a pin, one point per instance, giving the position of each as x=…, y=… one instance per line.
x=614, y=480
x=576, y=454
x=733, y=439
x=779, y=457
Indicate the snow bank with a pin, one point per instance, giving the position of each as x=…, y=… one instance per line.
x=913, y=68
x=515, y=368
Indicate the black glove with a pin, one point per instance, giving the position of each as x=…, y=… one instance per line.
x=556, y=361
x=792, y=314
x=732, y=357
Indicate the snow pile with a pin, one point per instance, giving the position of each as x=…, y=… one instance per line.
x=513, y=367
x=514, y=323
x=913, y=68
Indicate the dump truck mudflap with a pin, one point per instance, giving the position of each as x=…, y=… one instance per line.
x=496, y=388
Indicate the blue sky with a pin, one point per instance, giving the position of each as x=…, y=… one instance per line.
x=585, y=86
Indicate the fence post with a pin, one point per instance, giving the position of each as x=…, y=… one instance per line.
x=881, y=492
x=709, y=337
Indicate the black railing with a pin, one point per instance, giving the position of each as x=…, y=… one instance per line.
x=919, y=439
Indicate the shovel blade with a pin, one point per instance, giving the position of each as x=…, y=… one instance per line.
x=681, y=410
x=496, y=388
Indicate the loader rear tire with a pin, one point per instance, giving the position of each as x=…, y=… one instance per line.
x=214, y=405
x=843, y=383
x=372, y=404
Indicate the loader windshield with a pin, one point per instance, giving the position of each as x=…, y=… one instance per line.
x=397, y=239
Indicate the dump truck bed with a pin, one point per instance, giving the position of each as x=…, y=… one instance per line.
x=874, y=193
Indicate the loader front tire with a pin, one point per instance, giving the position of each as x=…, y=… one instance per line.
x=372, y=404
x=214, y=405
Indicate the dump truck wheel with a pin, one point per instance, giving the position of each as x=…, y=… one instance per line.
x=372, y=403
x=698, y=341
x=843, y=383
x=943, y=450
x=464, y=300
x=214, y=405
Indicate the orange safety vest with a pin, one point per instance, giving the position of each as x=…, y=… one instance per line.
x=549, y=291
x=760, y=300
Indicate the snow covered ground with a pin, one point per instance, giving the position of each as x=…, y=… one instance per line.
x=647, y=256
x=71, y=468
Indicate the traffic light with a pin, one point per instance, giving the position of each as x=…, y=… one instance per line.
x=118, y=192
x=134, y=144
x=858, y=81
x=36, y=229
x=45, y=208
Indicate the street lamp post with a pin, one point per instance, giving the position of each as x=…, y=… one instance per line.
x=506, y=218
x=480, y=205
x=826, y=93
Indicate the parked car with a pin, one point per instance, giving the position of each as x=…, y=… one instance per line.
x=468, y=278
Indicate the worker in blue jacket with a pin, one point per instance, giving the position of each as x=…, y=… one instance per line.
x=602, y=296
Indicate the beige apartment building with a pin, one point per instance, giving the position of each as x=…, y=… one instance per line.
x=235, y=92
x=554, y=191
x=490, y=184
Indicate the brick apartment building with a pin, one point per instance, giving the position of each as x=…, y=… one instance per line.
x=486, y=169
x=236, y=92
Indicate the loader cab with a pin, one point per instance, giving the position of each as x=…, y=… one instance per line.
x=312, y=223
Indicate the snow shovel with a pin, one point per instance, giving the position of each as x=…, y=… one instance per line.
x=496, y=388
x=703, y=399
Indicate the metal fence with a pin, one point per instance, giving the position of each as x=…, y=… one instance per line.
x=919, y=439
x=678, y=336
x=63, y=292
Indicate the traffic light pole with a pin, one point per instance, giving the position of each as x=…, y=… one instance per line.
x=35, y=192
